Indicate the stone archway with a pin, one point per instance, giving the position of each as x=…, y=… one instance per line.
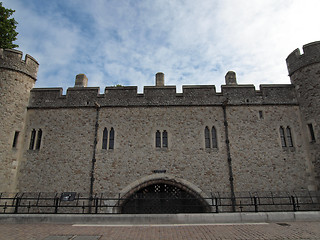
x=162, y=195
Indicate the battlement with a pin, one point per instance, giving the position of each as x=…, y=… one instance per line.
x=12, y=59
x=311, y=55
x=200, y=95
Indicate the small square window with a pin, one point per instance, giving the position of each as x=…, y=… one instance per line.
x=260, y=114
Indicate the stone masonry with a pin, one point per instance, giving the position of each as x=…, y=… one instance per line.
x=17, y=78
x=250, y=155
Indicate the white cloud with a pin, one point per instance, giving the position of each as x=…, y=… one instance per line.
x=127, y=42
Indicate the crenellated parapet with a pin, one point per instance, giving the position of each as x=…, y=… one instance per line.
x=311, y=55
x=201, y=95
x=12, y=59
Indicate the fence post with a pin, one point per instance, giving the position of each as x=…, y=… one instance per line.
x=5, y=207
x=96, y=203
x=17, y=205
x=56, y=204
x=255, y=204
x=293, y=204
x=217, y=207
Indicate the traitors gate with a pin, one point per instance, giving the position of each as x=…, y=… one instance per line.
x=158, y=198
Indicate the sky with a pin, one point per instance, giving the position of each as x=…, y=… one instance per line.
x=193, y=42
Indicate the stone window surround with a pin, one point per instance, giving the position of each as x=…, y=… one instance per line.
x=108, y=138
x=35, y=139
x=286, y=137
x=210, y=137
x=161, y=139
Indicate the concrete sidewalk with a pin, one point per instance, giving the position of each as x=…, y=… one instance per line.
x=136, y=219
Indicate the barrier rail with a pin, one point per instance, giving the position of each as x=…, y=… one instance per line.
x=77, y=203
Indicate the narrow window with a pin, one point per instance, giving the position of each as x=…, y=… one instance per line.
x=39, y=139
x=214, y=138
x=207, y=137
x=282, y=136
x=260, y=114
x=15, y=139
x=289, y=137
x=32, y=139
x=165, y=139
x=158, y=139
x=105, y=139
x=111, y=142
x=313, y=138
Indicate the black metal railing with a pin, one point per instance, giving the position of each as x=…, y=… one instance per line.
x=77, y=203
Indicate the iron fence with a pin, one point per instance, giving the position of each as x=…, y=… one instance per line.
x=77, y=203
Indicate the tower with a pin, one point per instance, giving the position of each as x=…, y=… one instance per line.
x=17, y=78
x=304, y=72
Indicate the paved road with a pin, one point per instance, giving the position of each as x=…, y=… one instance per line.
x=38, y=231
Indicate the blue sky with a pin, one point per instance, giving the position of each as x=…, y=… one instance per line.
x=192, y=41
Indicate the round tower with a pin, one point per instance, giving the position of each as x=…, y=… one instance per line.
x=304, y=72
x=17, y=78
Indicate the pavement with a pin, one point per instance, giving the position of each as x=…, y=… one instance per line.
x=95, y=231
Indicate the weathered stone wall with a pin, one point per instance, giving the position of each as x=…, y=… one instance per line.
x=259, y=162
x=304, y=71
x=68, y=148
x=63, y=161
x=17, y=77
x=135, y=156
x=163, y=96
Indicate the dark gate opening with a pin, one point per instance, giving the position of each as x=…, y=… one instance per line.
x=163, y=198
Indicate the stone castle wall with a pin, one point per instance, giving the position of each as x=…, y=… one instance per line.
x=17, y=77
x=68, y=123
x=304, y=71
x=163, y=96
x=259, y=162
x=63, y=161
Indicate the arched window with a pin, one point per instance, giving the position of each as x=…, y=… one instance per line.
x=207, y=137
x=282, y=136
x=165, y=139
x=39, y=139
x=214, y=138
x=289, y=137
x=158, y=139
x=105, y=139
x=32, y=139
x=111, y=143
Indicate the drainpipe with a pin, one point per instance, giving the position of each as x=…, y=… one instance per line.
x=94, y=154
x=233, y=199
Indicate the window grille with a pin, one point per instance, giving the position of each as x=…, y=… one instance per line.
x=165, y=139
x=161, y=139
x=214, y=138
x=207, y=137
x=39, y=139
x=32, y=139
x=111, y=143
x=289, y=137
x=282, y=136
x=158, y=139
x=105, y=139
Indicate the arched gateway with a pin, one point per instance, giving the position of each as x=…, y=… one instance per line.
x=162, y=196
